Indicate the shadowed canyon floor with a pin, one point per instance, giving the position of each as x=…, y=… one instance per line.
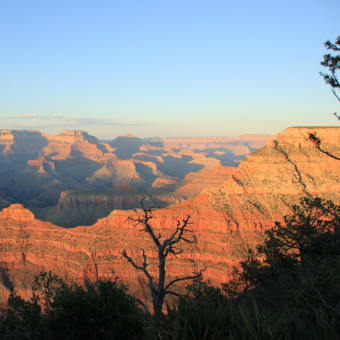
x=229, y=213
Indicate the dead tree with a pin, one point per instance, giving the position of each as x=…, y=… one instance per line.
x=159, y=287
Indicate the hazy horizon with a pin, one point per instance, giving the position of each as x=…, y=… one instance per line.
x=166, y=69
x=130, y=134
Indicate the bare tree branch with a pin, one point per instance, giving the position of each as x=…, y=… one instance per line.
x=336, y=95
x=178, y=233
x=144, y=306
x=144, y=221
x=178, y=279
x=170, y=292
x=170, y=245
x=142, y=267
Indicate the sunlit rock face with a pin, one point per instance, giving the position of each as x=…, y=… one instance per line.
x=72, y=178
x=229, y=214
x=273, y=178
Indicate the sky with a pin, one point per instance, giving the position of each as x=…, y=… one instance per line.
x=165, y=67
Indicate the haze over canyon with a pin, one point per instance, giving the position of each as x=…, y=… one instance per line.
x=72, y=178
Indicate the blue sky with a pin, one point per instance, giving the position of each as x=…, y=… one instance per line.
x=165, y=68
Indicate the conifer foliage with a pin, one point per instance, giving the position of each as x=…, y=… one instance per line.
x=332, y=63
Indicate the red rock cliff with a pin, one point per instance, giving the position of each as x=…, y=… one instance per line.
x=226, y=218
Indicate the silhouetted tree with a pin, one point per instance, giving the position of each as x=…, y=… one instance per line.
x=332, y=63
x=58, y=310
x=317, y=143
x=159, y=287
x=298, y=260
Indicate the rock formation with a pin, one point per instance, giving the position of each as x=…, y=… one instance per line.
x=233, y=208
x=61, y=178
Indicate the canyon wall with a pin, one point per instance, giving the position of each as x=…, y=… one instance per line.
x=227, y=217
x=72, y=178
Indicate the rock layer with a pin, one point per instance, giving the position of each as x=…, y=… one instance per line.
x=55, y=174
x=227, y=218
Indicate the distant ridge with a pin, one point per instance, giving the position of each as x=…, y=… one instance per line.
x=72, y=178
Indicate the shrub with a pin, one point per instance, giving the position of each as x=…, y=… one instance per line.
x=100, y=310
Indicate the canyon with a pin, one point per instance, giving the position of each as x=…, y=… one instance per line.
x=73, y=178
x=230, y=207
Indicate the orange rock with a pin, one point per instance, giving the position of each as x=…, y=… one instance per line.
x=17, y=212
x=229, y=215
x=38, y=169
